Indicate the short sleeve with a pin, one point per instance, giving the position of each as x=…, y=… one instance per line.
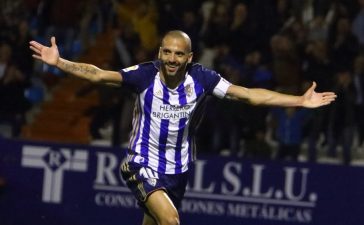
x=205, y=77
x=139, y=77
x=210, y=80
x=221, y=88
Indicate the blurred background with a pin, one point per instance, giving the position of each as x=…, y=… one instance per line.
x=280, y=45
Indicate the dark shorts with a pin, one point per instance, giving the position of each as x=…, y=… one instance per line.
x=143, y=181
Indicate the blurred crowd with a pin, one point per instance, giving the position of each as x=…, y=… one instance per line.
x=280, y=45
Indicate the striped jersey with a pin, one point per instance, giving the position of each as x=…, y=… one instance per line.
x=164, y=119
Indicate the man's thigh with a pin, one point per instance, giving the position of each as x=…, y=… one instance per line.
x=144, y=182
x=161, y=208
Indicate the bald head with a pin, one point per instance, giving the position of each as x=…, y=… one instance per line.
x=177, y=34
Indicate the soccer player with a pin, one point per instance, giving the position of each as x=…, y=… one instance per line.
x=170, y=92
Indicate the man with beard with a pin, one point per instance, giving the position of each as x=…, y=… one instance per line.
x=170, y=92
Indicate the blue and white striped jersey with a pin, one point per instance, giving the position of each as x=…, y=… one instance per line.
x=164, y=119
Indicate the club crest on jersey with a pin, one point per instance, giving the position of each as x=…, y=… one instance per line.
x=188, y=90
x=131, y=68
x=159, y=93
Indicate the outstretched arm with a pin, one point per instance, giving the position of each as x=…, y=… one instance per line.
x=50, y=55
x=256, y=96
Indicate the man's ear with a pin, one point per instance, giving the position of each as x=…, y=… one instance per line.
x=159, y=52
x=190, y=57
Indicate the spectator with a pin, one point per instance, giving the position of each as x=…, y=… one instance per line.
x=12, y=86
x=22, y=55
x=290, y=123
x=142, y=16
x=317, y=66
x=358, y=24
x=191, y=25
x=341, y=117
x=227, y=117
x=286, y=62
x=218, y=25
x=257, y=146
x=242, y=32
x=343, y=44
x=359, y=101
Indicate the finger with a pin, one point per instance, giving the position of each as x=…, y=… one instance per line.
x=34, y=43
x=329, y=99
x=313, y=86
x=37, y=56
x=329, y=93
x=311, y=89
x=325, y=103
x=329, y=96
x=328, y=102
x=35, y=49
x=53, y=41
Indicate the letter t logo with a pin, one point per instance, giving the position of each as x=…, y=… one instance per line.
x=53, y=163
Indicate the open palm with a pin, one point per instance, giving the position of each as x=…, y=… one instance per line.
x=49, y=55
x=312, y=99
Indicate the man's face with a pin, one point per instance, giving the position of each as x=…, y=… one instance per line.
x=174, y=55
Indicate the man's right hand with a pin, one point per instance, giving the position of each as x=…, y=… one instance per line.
x=49, y=55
